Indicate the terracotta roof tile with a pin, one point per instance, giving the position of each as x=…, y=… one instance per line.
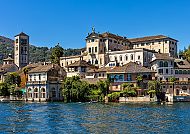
x=182, y=64
x=130, y=67
x=163, y=56
x=41, y=68
x=149, y=38
x=80, y=63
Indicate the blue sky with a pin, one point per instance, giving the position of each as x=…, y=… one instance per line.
x=68, y=22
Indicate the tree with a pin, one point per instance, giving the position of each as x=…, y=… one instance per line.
x=154, y=87
x=139, y=79
x=13, y=79
x=57, y=52
x=129, y=90
x=4, y=90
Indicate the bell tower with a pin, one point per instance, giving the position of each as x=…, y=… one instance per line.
x=21, y=50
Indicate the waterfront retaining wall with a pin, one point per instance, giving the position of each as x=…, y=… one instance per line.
x=134, y=99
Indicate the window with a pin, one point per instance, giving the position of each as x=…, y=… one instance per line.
x=120, y=77
x=95, y=49
x=139, y=57
x=161, y=64
x=39, y=77
x=180, y=71
x=35, y=93
x=160, y=71
x=96, y=61
x=166, y=71
x=142, y=44
x=34, y=77
x=92, y=49
x=16, y=40
x=103, y=75
x=166, y=79
x=184, y=72
x=176, y=71
x=115, y=41
x=131, y=57
x=159, y=42
x=99, y=74
x=115, y=58
x=89, y=50
x=188, y=71
x=92, y=40
x=43, y=93
x=110, y=40
x=100, y=40
x=152, y=43
x=120, y=58
x=129, y=78
x=126, y=57
x=165, y=64
x=166, y=41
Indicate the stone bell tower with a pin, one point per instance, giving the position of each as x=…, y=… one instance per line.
x=21, y=50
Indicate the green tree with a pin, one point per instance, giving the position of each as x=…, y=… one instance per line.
x=13, y=79
x=154, y=88
x=139, y=79
x=4, y=89
x=57, y=52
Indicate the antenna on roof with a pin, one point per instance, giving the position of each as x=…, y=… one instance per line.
x=93, y=29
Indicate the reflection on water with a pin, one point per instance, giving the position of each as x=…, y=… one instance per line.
x=20, y=117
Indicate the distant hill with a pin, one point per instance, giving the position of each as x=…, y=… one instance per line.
x=36, y=53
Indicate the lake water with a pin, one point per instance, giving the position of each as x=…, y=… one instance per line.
x=59, y=118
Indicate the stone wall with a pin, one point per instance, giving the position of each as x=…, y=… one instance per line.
x=134, y=99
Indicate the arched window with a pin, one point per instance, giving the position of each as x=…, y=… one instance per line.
x=35, y=90
x=29, y=93
x=131, y=56
x=120, y=57
x=96, y=61
x=35, y=93
x=29, y=90
x=43, y=93
x=115, y=58
x=126, y=57
x=43, y=90
x=161, y=64
x=165, y=64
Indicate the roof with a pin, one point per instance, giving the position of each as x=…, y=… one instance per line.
x=102, y=69
x=162, y=56
x=181, y=64
x=117, y=37
x=149, y=38
x=80, y=63
x=130, y=67
x=21, y=34
x=41, y=68
x=108, y=35
x=8, y=59
x=9, y=68
x=93, y=80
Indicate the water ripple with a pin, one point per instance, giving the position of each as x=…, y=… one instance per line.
x=50, y=118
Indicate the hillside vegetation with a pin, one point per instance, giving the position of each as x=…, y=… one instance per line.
x=36, y=53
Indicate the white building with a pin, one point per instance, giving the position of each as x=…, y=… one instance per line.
x=159, y=43
x=44, y=83
x=141, y=56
